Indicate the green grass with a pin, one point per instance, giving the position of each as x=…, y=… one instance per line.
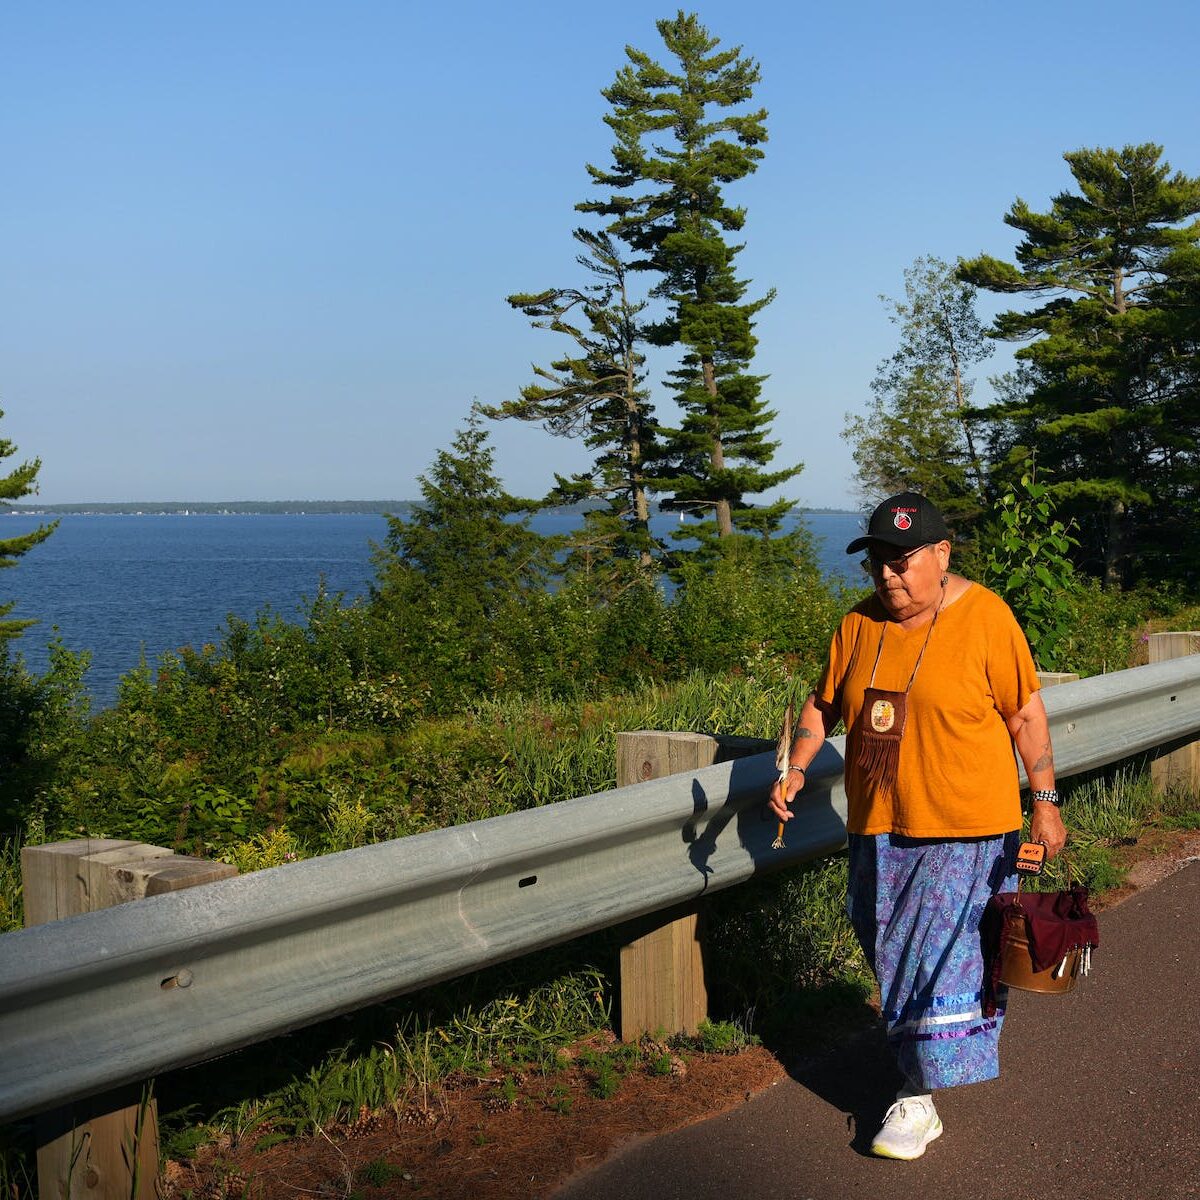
x=12, y=900
x=1103, y=813
x=1188, y=819
x=377, y=1172
x=724, y=1037
x=18, y=1171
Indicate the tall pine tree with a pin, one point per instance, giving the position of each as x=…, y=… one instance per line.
x=452, y=576
x=1101, y=398
x=596, y=393
x=20, y=481
x=918, y=431
x=461, y=540
x=680, y=139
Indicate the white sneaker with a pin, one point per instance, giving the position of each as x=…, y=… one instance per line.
x=909, y=1126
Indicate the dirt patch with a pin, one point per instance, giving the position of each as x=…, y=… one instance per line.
x=474, y=1142
x=1154, y=856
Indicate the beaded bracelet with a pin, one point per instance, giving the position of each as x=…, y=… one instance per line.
x=1048, y=795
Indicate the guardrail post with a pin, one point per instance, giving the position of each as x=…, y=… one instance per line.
x=1180, y=768
x=1050, y=678
x=104, y=1147
x=662, y=970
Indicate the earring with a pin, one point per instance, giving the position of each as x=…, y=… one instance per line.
x=945, y=580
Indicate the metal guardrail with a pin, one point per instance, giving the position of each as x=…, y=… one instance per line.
x=119, y=995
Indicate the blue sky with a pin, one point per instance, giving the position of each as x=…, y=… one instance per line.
x=261, y=250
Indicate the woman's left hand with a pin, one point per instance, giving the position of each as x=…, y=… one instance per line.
x=1046, y=826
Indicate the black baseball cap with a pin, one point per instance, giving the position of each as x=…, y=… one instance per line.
x=907, y=520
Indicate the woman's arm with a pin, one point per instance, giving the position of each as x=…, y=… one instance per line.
x=816, y=720
x=1030, y=730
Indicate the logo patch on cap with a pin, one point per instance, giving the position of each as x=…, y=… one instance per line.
x=902, y=520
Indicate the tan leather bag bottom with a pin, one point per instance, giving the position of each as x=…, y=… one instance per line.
x=1016, y=963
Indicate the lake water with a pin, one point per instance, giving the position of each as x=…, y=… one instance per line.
x=123, y=585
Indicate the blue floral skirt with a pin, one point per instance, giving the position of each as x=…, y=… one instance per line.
x=916, y=905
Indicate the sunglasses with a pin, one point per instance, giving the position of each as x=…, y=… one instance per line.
x=873, y=564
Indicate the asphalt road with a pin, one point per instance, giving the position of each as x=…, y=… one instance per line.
x=1098, y=1099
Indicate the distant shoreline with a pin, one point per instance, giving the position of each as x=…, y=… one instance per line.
x=222, y=508
x=161, y=508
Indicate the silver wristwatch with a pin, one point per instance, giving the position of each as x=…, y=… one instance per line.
x=1047, y=796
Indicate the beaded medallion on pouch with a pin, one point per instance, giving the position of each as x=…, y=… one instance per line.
x=882, y=719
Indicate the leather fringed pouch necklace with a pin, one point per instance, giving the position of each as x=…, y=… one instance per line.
x=883, y=716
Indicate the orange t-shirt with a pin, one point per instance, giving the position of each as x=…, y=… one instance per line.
x=957, y=775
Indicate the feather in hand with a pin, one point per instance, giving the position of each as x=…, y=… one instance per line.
x=783, y=754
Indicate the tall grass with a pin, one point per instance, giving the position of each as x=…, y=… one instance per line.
x=12, y=897
x=18, y=1170
x=1103, y=813
x=555, y=749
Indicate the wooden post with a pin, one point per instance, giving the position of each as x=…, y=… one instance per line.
x=1180, y=768
x=662, y=969
x=104, y=1147
x=1050, y=678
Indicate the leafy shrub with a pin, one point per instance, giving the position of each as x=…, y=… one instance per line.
x=43, y=731
x=735, y=613
x=1027, y=564
x=271, y=849
x=1105, y=629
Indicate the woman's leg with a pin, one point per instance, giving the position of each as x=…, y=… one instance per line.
x=916, y=906
x=928, y=958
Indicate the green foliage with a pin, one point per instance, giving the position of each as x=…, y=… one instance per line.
x=597, y=394
x=270, y=849
x=739, y=609
x=1189, y=819
x=1103, y=813
x=1106, y=392
x=12, y=900
x=683, y=135
x=456, y=571
x=782, y=949
x=1027, y=564
x=349, y=822
x=606, y=1081
x=20, y=481
x=917, y=434
x=1112, y=809
x=460, y=541
x=724, y=1037
x=18, y=1164
x=377, y=1173
x=1106, y=628
x=514, y=1019
x=660, y=1064
x=43, y=736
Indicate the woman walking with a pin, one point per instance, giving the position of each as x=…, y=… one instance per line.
x=935, y=683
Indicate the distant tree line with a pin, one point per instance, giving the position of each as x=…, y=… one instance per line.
x=219, y=507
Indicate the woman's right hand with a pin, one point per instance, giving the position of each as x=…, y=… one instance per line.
x=815, y=724
x=782, y=792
